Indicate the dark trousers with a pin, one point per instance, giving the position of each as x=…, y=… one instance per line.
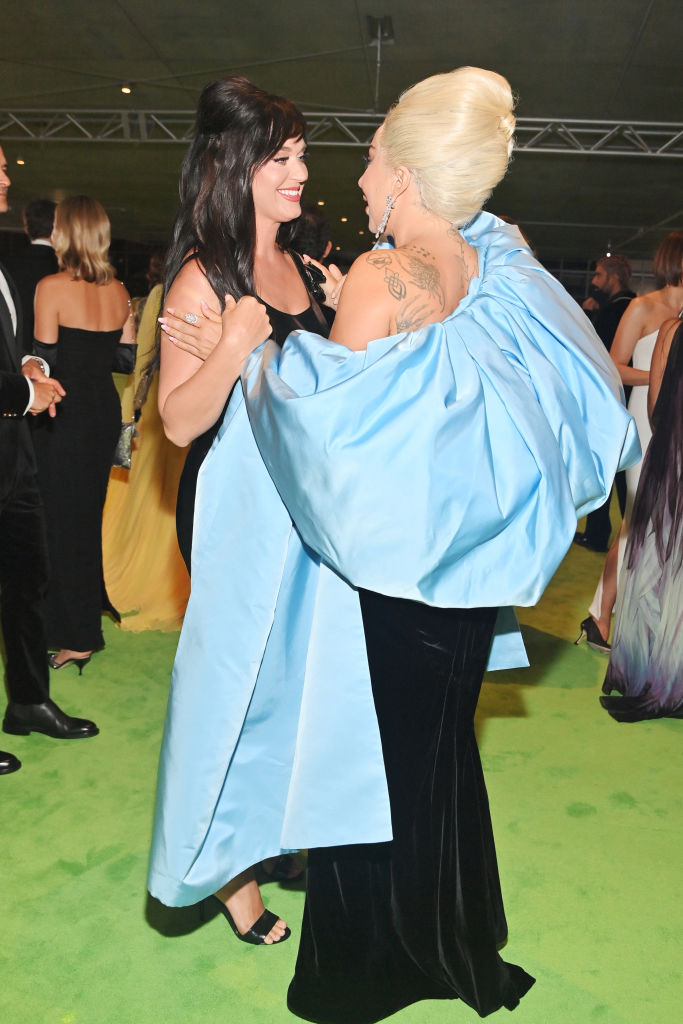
x=598, y=525
x=23, y=583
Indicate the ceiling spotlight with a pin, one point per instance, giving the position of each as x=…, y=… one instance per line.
x=321, y=202
x=126, y=88
x=361, y=232
x=21, y=161
x=343, y=219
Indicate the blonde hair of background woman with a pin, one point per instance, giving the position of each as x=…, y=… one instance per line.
x=81, y=237
x=454, y=133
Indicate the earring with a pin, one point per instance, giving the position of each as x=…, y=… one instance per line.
x=385, y=217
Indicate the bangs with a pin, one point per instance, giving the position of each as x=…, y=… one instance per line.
x=286, y=122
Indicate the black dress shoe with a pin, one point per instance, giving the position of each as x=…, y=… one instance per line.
x=8, y=763
x=48, y=718
x=582, y=540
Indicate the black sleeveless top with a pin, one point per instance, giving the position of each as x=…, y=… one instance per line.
x=316, y=319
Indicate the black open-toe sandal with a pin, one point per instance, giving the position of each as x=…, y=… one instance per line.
x=256, y=935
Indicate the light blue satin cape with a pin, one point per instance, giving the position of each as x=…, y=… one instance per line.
x=446, y=465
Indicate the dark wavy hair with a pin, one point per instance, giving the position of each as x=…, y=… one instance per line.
x=238, y=127
x=659, y=499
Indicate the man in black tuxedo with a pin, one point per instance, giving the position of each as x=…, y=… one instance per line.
x=36, y=260
x=24, y=389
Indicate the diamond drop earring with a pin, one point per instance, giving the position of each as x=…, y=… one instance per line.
x=385, y=217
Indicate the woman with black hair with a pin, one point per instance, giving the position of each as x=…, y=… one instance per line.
x=240, y=186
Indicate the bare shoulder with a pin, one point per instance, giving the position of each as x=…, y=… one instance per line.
x=632, y=326
x=52, y=282
x=411, y=279
x=190, y=286
x=50, y=291
x=118, y=292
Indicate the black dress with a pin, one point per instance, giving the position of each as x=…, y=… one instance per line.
x=315, y=318
x=74, y=454
x=420, y=917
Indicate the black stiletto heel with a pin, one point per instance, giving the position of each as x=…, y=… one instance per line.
x=593, y=637
x=259, y=930
x=81, y=662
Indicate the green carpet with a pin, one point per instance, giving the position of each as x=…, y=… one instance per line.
x=587, y=816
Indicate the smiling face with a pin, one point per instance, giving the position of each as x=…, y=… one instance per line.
x=4, y=183
x=278, y=183
x=376, y=182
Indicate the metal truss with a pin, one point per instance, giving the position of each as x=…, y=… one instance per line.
x=533, y=135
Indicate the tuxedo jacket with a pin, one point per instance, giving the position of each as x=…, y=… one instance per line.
x=27, y=268
x=16, y=449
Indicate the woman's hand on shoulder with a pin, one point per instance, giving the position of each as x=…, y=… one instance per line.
x=331, y=280
x=242, y=326
x=195, y=332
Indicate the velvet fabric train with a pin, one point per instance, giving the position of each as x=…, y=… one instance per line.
x=388, y=924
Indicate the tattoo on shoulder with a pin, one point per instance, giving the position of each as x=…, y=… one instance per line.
x=412, y=316
x=407, y=270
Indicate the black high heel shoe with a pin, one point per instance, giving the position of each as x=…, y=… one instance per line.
x=81, y=662
x=593, y=637
x=256, y=935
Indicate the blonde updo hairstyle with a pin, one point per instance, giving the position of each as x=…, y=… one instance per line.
x=81, y=238
x=454, y=133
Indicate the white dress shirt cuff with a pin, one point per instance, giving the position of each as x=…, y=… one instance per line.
x=44, y=365
x=31, y=394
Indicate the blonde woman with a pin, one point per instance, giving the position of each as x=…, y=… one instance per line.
x=84, y=329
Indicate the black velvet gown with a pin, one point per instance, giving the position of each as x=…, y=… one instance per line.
x=420, y=917
x=74, y=453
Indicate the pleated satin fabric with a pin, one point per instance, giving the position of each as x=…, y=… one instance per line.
x=444, y=466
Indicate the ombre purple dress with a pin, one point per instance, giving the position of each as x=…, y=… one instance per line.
x=646, y=663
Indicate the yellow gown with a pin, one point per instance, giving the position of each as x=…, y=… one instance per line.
x=146, y=577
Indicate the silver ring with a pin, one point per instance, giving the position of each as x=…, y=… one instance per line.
x=191, y=318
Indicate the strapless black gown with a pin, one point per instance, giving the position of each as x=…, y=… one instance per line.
x=74, y=454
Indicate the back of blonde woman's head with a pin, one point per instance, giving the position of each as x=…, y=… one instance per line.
x=81, y=237
x=454, y=133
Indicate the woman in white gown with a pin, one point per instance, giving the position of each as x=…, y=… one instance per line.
x=632, y=353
